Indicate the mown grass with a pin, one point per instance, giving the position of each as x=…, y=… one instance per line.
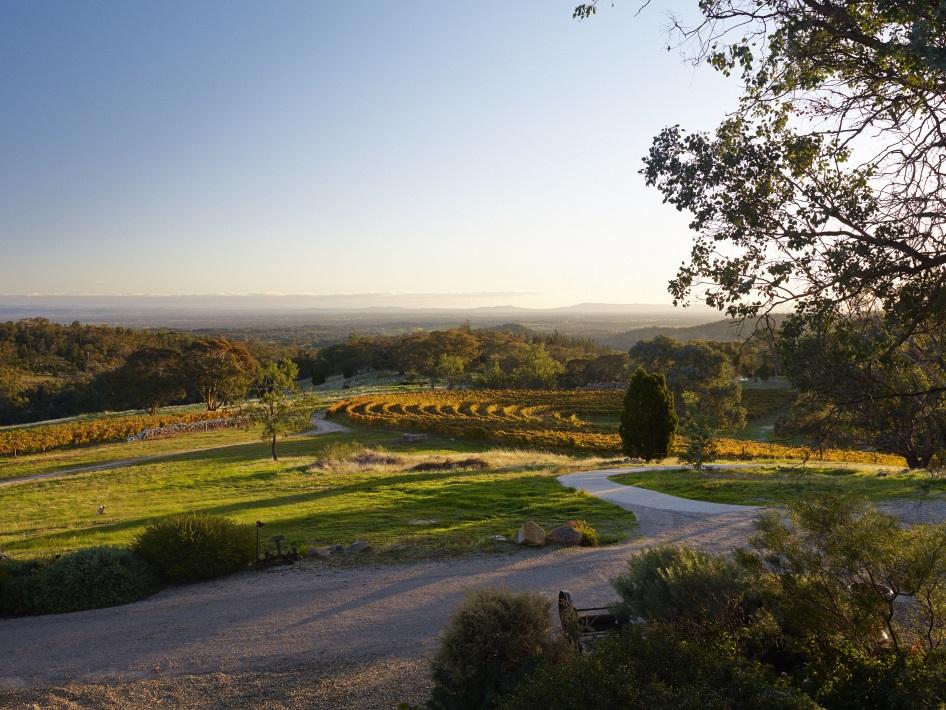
x=777, y=485
x=95, y=454
x=311, y=506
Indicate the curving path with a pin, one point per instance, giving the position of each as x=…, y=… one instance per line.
x=596, y=483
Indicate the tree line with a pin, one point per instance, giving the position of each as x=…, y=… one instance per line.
x=49, y=370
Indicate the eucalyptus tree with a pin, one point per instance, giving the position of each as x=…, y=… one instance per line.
x=824, y=191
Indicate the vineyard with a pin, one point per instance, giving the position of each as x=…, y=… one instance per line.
x=37, y=439
x=544, y=420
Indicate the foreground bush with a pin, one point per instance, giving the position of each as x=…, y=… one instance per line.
x=189, y=547
x=21, y=590
x=94, y=578
x=685, y=588
x=492, y=640
x=655, y=669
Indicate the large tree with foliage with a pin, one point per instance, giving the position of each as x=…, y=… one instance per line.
x=150, y=378
x=699, y=368
x=648, y=419
x=826, y=186
x=281, y=410
x=852, y=398
x=220, y=371
x=825, y=190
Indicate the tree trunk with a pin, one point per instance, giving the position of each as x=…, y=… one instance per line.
x=274, y=448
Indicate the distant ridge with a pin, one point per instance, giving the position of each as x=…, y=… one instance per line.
x=721, y=330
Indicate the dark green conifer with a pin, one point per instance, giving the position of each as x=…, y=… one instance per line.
x=648, y=422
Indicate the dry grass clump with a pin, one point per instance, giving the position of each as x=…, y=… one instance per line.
x=375, y=457
x=474, y=463
x=349, y=455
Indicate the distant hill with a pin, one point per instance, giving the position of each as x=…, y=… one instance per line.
x=721, y=330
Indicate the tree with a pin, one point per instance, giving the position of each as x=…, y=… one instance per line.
x=538, y=369
x=12, y=386
x=828, y=180
x=449, y=368
x=851, y=389
x=825, y=189
x=150, y=378
x=219, y=370
x=607, y=368
x=698, y=367
x=648, y=420
x=280, y=410
x=699, y=446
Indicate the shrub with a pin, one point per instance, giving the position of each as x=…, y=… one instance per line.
x=685, y=588
x=93, y=578
x=375, y=457
x=493, y=639
x=20, y=593
x=475, y=463
x=337, y=452
x=654, y=669
x=188, y=547
x=589, y=536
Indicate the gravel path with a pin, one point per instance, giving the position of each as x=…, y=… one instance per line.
x=597, y=484
x=316, y=635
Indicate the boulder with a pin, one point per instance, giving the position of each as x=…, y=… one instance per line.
x=359, y=546
x=564, y=535
x=531, y=534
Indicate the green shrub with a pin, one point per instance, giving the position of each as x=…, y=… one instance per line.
x=93, y=578
x=188, y=547
x=683, y=587
x=654, y=668
x=589, y=536
x=22, y=590
x=493, y=639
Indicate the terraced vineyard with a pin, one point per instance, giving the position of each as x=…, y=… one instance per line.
x=543, y=420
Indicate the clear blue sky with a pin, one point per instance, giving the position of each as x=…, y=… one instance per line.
x=484, y=148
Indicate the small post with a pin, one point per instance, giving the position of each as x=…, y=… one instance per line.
x=259, y=524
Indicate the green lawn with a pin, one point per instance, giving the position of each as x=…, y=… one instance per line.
x=777, y=485
x=61, y=459
x=310, y=506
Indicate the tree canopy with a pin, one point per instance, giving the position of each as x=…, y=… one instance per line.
x=824, y=191
x=699, y=368
x=280, y=409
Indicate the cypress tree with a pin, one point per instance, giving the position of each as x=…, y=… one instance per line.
x=648, y=422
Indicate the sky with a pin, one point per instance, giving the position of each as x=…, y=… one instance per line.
x=482, y=153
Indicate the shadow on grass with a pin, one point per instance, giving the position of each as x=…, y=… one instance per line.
x=462, y=503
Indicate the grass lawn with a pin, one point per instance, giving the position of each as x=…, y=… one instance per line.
x=338, y=503
x=777, y=485
x=93, y=454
